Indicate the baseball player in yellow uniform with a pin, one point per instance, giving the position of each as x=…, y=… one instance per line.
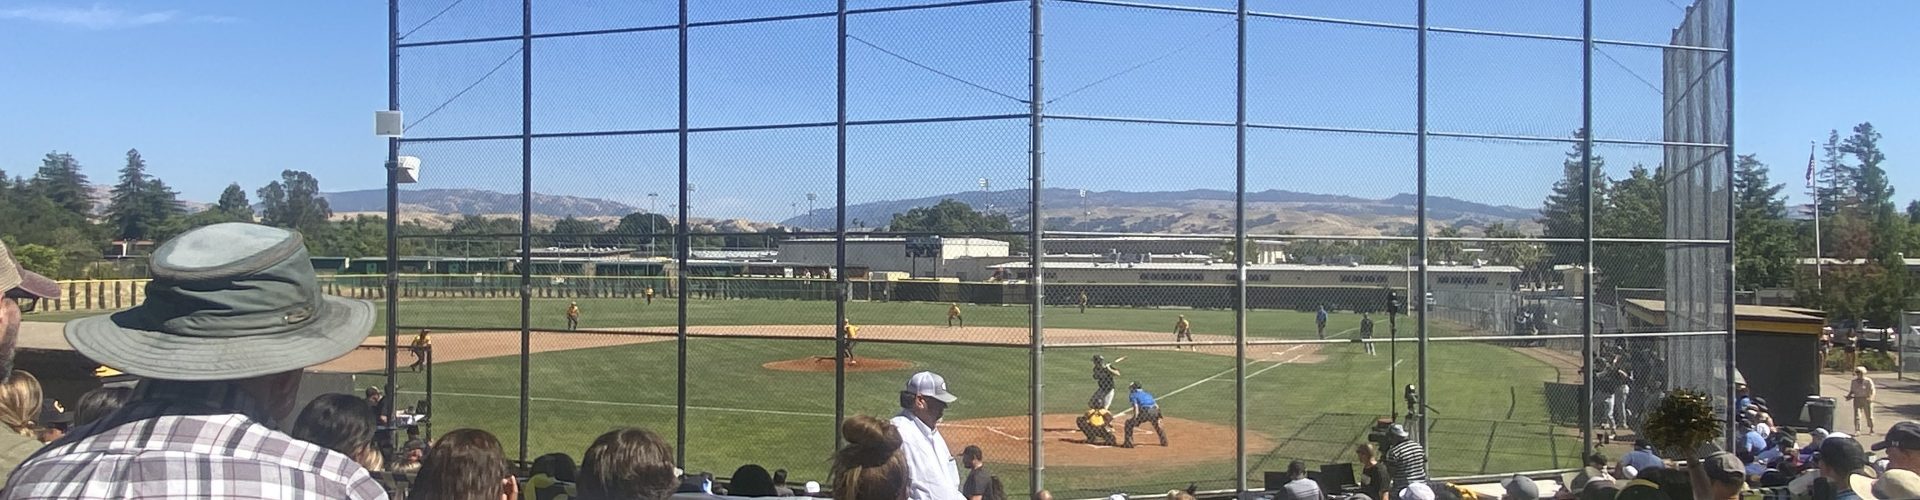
x=953, y=314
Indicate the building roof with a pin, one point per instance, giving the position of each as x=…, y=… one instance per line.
x=1224, y=266
x=1759, y=319
x=962, y=240
x=1808, y=261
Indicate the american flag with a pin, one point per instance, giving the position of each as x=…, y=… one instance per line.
x=1810, y=184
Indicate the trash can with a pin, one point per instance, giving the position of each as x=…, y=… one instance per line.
x=1818, y=412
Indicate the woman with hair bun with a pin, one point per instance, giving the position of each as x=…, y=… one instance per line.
x=870, y=466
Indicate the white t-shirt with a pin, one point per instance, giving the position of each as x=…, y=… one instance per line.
x=936, y=475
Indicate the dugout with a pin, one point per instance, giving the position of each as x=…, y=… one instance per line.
x=1778, y=351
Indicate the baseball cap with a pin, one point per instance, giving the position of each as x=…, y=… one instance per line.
x=1417, y=491
x=1843, y=454
x=1904, y=435
x=1725, y=466
x=932, y=385
x=51, y=412
x=1520, y=487
x=16, y=280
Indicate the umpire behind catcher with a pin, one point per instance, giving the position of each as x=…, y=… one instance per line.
x=1145, y=410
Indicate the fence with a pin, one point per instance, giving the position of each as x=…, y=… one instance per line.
x=1296, y=158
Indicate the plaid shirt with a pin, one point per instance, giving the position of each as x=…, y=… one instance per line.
x=188, y=440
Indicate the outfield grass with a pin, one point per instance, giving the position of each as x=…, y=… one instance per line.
x=1491, y=415
x=550, y=314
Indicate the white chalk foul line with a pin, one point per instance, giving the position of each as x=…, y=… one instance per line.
x=1344, y=333
x=1197, y=383
x=620, y=403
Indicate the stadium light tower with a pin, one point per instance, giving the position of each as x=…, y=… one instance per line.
x=810, y=198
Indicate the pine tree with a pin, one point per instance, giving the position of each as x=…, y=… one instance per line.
x=1564, y=214
x=234, y=202
x=1635, y=208
x=1887, y=228
x=59, y=179
x=140, y=203
x=1764, y=240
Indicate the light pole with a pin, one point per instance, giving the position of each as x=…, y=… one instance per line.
x=986, y=187
x=810, y=198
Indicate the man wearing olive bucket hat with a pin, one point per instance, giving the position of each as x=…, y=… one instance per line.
x=232, y=316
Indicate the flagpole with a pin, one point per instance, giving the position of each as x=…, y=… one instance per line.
x=1819, y=255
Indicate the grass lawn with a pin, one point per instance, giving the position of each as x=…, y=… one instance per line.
x=550, y=314
x=1489, y=415
x=1490, y=411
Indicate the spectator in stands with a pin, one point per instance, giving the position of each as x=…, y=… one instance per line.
x=1519, y=487
x=342, y=423
x=1043, y=495
x=1406, y=460
x=20, y=404
x=1902, y=446
x=551, y=477
x=1750, y=440
x=1593, y=474
x=975, y=487
x=466, y=464
x=873, y=465
x=1840, y=459
x=1897, y=483
x=54, y=420
x=100, y=402
x=20, y=293
x=1375, y=482
x=410, y=458
x=232, y=316
x=922, y=403
x=1299, y=486
x=628, y=464
x=751, y=481
x=780, y=487
x=1642, y=457
x=1743, y=397
x=1718, y=476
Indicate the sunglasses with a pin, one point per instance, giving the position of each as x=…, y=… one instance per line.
x=27, y=304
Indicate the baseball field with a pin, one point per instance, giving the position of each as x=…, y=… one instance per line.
x=767, y=397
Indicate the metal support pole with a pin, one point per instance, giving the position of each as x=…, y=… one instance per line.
x=1732, y=332
x=393, y=209
x=1419, y=291
x=1036, y=153
x=526, y=218
x=1240, y=244
x=1586, y=170
x=839, y=227
x=683, y=245
x=429, y=368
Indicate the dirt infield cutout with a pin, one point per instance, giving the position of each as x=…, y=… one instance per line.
x=1004, y=440
x=824, y=364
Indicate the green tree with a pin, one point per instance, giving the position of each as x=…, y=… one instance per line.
x=1836, y=185
x=1445, y=251
x=954, y=217
x=646, y=223
x=294, y=202
x=1636, y=208
x=140, y=203
x=1913, y=210
x=1565, y=212
x=570, y=231
x=41, y=259
x=1527, y=256
x=1887, y=288
x=233, y=202
x=59, y=179
x=1764, y=237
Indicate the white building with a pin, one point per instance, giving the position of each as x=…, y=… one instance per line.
x=926, y=257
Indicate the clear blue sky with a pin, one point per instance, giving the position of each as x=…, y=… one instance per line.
x=214, y=92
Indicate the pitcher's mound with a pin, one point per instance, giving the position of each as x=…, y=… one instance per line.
x=824, y=364
x=1189, y=442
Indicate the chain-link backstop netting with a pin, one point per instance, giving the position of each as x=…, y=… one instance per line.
x=1500, y=225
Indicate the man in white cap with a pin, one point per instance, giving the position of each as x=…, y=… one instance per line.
x=930, y=463
x=233, y=315
x=23, y=290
